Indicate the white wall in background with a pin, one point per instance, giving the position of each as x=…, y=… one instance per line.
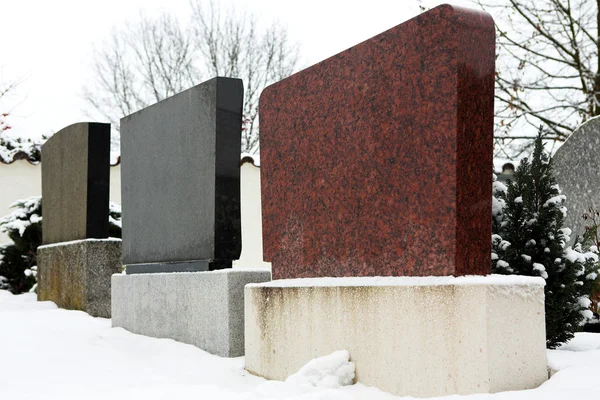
x=18, y=180
x=21, y=179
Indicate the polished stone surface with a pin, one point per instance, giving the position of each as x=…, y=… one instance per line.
x=76, y=275
x=377, y=161
x=205, y=309
x=577, y=168
x=181, y=176
x=75, y=183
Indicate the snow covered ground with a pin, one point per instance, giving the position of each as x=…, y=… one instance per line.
x=49, y=353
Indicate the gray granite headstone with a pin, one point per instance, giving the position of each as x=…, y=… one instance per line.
x=180, y=180
x=75, y=183
x=577, y=168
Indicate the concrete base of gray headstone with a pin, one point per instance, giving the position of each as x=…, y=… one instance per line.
x=205, y=309
x=76, y=275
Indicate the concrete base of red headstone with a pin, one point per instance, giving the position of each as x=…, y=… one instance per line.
x=420, y=337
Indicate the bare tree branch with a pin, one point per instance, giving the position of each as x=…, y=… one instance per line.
x=8, y=89
x=548, y=70
x=150, y=59
x=232, y=46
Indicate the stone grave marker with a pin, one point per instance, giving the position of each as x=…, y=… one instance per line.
x=75, y=183
x=181, y=181
x=77, y=258
x=180, y=167
x=376, y=164
x=577, y=168
x=377, y=161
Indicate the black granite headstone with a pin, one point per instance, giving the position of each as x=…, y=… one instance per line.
x=75, y=183
x=181, y=180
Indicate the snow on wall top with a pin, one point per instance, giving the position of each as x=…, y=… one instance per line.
x=13, y=149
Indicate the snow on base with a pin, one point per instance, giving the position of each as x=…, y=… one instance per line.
x=331, y=371
x=110, y=239
x=405, y=281
x=223, y=271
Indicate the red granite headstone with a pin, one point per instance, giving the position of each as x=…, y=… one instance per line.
x=378, y=161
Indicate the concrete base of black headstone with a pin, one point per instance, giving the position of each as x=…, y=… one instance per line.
x=76, y=275
x=205, y=309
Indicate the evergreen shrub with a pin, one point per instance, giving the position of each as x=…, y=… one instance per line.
x=18, y=262
x=529, y=238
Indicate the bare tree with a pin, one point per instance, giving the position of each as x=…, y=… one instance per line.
x=154, y=58
x=548, y=70
x=232, y=46
x=138, y=65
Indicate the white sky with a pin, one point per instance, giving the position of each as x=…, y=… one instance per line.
x=49, y=43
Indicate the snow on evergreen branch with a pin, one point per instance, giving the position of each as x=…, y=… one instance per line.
x=23, y=216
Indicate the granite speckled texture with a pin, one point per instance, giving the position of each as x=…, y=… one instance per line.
x=205, y=309
x=377, y=161
x=75, y=183
x=76, y=275
x=180, y=181
x=577, y=168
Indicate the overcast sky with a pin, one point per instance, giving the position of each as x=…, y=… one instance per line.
x=49, y=43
